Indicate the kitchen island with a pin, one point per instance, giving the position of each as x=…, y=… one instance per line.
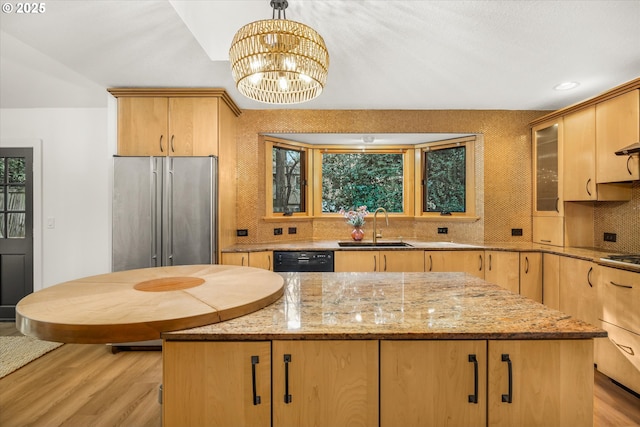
x=384, y=349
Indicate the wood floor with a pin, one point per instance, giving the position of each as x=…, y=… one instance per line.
x=86, y=385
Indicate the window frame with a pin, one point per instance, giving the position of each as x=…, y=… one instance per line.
x=305, y=176
x=470, y=193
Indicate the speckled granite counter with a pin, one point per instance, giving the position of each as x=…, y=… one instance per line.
x=395, y=306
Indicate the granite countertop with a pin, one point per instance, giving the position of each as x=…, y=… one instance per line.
x=589, y=254
x=395, y=306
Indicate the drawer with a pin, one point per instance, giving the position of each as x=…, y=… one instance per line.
x=548, y=230
x=619, y=298
x=618, y=356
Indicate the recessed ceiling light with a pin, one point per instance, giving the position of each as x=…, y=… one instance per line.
x=566, y=86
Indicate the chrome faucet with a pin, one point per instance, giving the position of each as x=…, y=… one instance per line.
x=375, y=215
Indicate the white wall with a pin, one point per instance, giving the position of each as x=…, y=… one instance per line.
x=77, y=151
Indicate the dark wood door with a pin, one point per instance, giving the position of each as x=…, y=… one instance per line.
x=16, y=228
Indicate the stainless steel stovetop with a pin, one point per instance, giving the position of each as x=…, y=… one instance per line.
x=633, y=259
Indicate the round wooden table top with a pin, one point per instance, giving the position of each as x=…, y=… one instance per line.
x=138, y=305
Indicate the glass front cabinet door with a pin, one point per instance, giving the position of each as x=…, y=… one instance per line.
x=547, y=158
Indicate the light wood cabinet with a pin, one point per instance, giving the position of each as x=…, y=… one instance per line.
x=551, y=280
x=503, y=269
x=548, y=230
x=531, y=275
x=618, y=355
x=212, y=383
x=547, y=141
x=382, y=261
x=471, y=262
x=325, y=383
x=578, y=291
x=580, y=161
x=433, y=383
x=259, y=259
x=540, y=383
x=617, y=125
x=167, y=126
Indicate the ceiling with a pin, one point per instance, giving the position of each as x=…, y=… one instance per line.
x=392, y=54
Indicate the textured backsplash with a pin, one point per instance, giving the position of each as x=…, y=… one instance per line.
x=503, y=153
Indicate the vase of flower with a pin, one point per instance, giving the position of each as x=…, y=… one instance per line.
x=355, y=218
x=357, y=233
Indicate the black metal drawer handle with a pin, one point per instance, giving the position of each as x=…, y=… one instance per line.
x=473, y=398
x=589, y=277
x=287, y=396
x=621, y=286
x=508, y=398
x=625, y=348
x=254, y=361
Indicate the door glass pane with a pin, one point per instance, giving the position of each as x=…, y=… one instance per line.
x=16, y=198
x=16, y=169
x=2, y=169
x=15, y=225
x=2, y=234
x=547, y=169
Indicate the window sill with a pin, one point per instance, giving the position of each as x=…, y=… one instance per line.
x=447, y=218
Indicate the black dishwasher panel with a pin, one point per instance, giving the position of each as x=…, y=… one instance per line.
x=303, y=261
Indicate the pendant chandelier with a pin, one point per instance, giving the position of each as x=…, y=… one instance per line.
x=278, y=61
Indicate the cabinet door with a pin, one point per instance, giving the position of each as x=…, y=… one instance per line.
x=193, y=126
x=548, y=230
x=578, y=291
x=502, y=268
x=262, y=259
x=580, y=155
x=432, y=383
x=213, y=383
x=356, y=261
x=531, y=275
x=471, y=262
x=547, y=168
x=617, y=125
x=236, y=258
x=325, y=383
x=551, y=280
x=399, y=261
x=618, y=356
x=142, y=126
x=619, y=294
x=540, y=383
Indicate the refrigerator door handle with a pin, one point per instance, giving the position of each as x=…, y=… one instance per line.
x=154, y=212
x=170, y=213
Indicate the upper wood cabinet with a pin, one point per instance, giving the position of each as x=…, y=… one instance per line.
x=171, y=122
x=548, y=168
x=580, y=161
x=617, y=125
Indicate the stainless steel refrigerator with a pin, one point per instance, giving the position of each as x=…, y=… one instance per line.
x=164, y=211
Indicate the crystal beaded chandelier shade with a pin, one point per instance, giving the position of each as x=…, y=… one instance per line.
x=278, y=61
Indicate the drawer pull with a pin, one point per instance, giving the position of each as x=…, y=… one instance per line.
x=621, y=286
x=546, y=241
x=254, y=361
x=589, y=277
x=625, y=348
x=473, y=398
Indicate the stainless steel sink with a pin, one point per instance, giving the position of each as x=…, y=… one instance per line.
x=369, y=244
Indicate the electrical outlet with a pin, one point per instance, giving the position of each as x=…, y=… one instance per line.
x=242, y=232
x=443, y=230
x=277, y=231
x=293, y=230
x=516, y=231
x=610, y=237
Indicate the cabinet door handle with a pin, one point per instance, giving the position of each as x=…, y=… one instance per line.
x=587, y=186
x=621, y=286
x=546, y=241
x=557, y=204
x=375, y=263
x=628, y=168
x=625, y=348
x=385, y=262
x=242, y=262
x=171, y=145
x=473, y=398
x=589, y=277
x=430, y=263
x=526, y=265
x=508, y=398
x=254, y=361
x=287, y=396
x=161, y=148
x=480, y=259
x=269, y=265
x=489, y=262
